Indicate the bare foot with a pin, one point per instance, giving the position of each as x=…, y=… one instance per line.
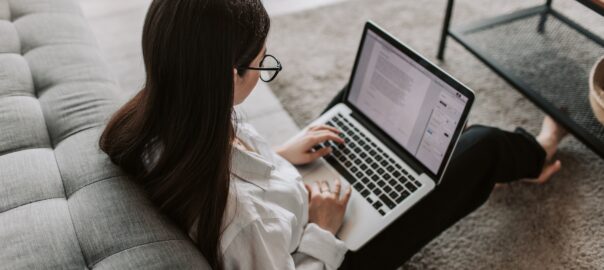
x=550, y=136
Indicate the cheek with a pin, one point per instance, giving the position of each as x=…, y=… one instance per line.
x=252, y=80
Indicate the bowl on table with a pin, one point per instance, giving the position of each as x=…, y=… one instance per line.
x=596, y=89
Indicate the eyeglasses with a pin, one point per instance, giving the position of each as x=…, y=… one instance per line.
x=269, y=68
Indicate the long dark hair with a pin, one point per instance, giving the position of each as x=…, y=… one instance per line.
x=190, y=48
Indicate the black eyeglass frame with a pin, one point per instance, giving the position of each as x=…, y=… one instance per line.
x=278, y=68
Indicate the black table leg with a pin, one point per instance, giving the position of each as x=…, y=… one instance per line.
x=445, y=30
x=543, y=18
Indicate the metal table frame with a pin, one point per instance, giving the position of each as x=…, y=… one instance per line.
x=544, y=11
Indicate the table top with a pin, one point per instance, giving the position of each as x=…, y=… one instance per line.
x=551, y=69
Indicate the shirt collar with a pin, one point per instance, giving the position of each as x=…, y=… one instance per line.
x=251, y=167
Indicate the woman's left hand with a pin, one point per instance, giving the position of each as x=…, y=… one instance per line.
x=299, y=151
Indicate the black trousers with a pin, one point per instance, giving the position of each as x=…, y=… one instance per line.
x=484, y=156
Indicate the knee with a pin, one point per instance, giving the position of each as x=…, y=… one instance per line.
x=484, y=135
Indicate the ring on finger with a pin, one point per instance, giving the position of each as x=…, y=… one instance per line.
x=325, y=187
x=337, y=187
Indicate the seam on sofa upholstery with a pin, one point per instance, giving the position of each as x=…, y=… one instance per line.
x=31, y=73
x=17, y=95
x=46, y=88
x=76, y=82
x=83, y=44
x=46, y=12
x=75, y=232
x=93, y=182
x=49, y=135
x=12, y=151
x=133, y=247
x=75, y=133
x=30, y=202
x=14, y=19
x=59, y=43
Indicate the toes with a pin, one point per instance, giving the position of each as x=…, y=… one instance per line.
x=548, y=172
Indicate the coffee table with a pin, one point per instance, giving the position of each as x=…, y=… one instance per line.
x=544, y=55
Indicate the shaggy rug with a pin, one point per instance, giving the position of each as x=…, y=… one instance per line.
x=559, y=225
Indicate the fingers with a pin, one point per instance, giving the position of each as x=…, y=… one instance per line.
x=320, y=153
x=322, y=136
x=346, y=196
x=325, y=127
x=315, y=189
x=309, y=190
x=324, y=186
x=337, y=187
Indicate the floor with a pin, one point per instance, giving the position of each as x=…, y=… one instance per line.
x=117, y=24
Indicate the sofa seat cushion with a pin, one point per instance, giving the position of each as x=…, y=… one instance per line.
x=63, y=204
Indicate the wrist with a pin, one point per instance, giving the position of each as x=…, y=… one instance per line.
x=279, y=150
x=327, y=228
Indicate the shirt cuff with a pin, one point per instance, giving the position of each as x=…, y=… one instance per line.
x=322, y=245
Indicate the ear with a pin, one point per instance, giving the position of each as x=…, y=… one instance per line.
x=237, y=80
x=237, y=86
x=235, y=76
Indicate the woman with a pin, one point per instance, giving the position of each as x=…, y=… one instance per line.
x=243, y=204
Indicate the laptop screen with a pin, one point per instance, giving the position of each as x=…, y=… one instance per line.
x=413, y=106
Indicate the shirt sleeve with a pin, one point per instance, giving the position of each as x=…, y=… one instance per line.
x=323, y=246
x=265, y=244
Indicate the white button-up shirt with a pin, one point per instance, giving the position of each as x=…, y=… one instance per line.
x=266, y=221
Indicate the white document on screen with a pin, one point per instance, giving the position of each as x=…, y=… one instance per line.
x=394, y=93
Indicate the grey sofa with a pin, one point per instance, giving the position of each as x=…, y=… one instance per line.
x=63, y=205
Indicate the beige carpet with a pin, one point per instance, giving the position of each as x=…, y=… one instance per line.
x=556, y=226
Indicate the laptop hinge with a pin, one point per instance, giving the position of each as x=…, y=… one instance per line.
x=394, y=147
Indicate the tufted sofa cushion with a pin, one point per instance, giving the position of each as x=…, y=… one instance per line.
x=63, y=205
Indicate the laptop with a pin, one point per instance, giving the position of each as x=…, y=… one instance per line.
x=401, y=118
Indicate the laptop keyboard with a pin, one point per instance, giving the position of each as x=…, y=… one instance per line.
x=372, y=172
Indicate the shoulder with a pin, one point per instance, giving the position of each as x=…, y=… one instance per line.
x=249, y=132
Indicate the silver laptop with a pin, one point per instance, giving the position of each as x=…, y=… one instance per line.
x=401, y=119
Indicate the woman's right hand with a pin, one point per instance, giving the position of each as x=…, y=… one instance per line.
x=326, y=207
x=299, y=151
